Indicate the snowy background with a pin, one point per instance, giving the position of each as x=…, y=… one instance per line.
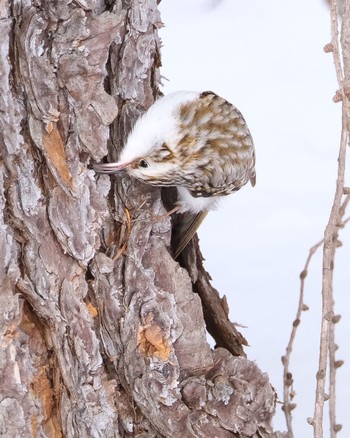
x=266, y=57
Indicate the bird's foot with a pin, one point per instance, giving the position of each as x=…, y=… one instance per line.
x=161, y=217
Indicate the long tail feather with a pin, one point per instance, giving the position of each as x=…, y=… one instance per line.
x=186, y=230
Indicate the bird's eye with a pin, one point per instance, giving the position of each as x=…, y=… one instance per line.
x=143, y=163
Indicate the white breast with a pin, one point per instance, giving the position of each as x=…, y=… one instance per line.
x=194, y=205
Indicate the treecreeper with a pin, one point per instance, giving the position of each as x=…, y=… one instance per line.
x=197, y=142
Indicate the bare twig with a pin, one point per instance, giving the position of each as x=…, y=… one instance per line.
x=288, y=391
x=331, y=231
x=330, y=243
x=334, y=428
x=333, y=364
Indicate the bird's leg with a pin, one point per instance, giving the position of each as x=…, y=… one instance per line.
x=166, y=215
x=173, y=210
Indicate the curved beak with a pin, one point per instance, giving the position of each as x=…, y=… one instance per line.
x=109, y=167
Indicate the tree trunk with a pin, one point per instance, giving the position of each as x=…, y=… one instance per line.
x=102, y=334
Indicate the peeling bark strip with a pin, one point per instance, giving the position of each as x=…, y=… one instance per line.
x=97, y=342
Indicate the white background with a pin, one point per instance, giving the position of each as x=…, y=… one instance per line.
x=266, y=57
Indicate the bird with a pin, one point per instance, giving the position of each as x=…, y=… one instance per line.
x=195, y=141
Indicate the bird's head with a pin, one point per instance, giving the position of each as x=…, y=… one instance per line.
x=150, y=153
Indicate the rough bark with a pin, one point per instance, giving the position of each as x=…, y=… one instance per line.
x=101, y=332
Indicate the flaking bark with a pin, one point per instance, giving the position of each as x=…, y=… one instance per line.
x=101, y=332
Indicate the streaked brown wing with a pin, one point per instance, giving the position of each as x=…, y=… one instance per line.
x=186, y=229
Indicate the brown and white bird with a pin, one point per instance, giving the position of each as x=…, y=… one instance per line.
x=196, y=142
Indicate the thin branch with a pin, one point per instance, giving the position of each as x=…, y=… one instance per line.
x=288, y=391
x=334, y=427
x=329, y=248
x=333, y=364
x=330, y=242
